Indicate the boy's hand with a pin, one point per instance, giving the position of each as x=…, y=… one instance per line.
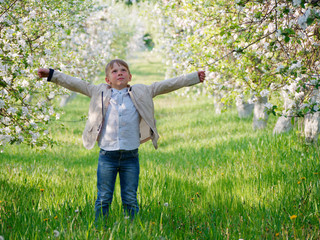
x=202, y=75
x=43, y=72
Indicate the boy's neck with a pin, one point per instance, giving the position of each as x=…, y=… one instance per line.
x=119, y=89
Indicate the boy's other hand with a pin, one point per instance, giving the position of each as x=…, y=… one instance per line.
x=202, y=75
x=43, y=72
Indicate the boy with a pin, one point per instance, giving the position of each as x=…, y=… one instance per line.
x=120, y=118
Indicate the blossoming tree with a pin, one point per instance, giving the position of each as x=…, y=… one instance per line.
x=249, y=48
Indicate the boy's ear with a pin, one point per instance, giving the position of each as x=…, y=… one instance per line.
x=130, y=76
x=107, y=80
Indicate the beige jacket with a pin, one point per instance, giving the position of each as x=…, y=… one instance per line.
x=141, y=96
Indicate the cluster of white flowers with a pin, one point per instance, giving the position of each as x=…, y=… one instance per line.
x=302, y=20
x=268, y=105
x=296, y=3
x=264, y=93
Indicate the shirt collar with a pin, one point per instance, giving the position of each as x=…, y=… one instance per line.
x=123, y=91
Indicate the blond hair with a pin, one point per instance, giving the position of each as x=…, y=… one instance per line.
x=109, y=66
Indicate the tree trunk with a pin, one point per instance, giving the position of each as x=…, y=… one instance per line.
x=244, y=109
x=260, y=117
x=312, y=121
x=311, y=127
x=218, y=107
x=65, y=99
x=284, y=124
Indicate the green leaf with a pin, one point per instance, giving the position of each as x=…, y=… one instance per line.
x=286, y=10
x=310, y=20
x=287, y=39
x=258, y=15
x=3, y=83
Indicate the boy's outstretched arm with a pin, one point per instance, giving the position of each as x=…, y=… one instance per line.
x=172, y=84
x=72, y=83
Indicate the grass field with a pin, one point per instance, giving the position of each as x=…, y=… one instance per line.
x=212, y=177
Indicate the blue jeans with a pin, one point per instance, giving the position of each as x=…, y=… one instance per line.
x=110, y=163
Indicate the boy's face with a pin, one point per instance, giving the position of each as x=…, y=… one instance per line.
x=118, y=77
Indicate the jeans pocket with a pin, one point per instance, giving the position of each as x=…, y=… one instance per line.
x=102, y=152
x=135, y=153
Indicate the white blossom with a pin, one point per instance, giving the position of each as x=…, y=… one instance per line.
x=10, y=33
x=7, y=80
x=271, y=27
x=41, y=39
x=33, y=124
x=268, y=105
x=38, y=84
x=6, y=120
x=22, y=43
x=12, y=110
x=25, y=111
x=51, y=95
x=30, y=60
x=4, y=139
x=296, y=3
x=7, y=130
x=273, y=86
x=32, y=14
x=48, y=52
x=292, y=87
x=264, y=93
x=56, y=233
x=299, y=95
x=21, y=138
x=2, y=103
x=44, y=146
x=57, y=23
x=295, y=65
x=302, y=20
x=18, y=129
x=280, y=66
x=35, y=136
x=24, y=84
x=51, y=111
x=42, y=62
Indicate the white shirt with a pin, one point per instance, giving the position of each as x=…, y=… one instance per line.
x=120, y=130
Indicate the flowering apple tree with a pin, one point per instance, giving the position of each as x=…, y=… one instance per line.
x=254, y=49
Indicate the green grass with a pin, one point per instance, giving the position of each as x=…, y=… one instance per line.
x=212, y=177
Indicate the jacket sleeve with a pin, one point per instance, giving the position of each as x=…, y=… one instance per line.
x=173, y=84
x=72, y=83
